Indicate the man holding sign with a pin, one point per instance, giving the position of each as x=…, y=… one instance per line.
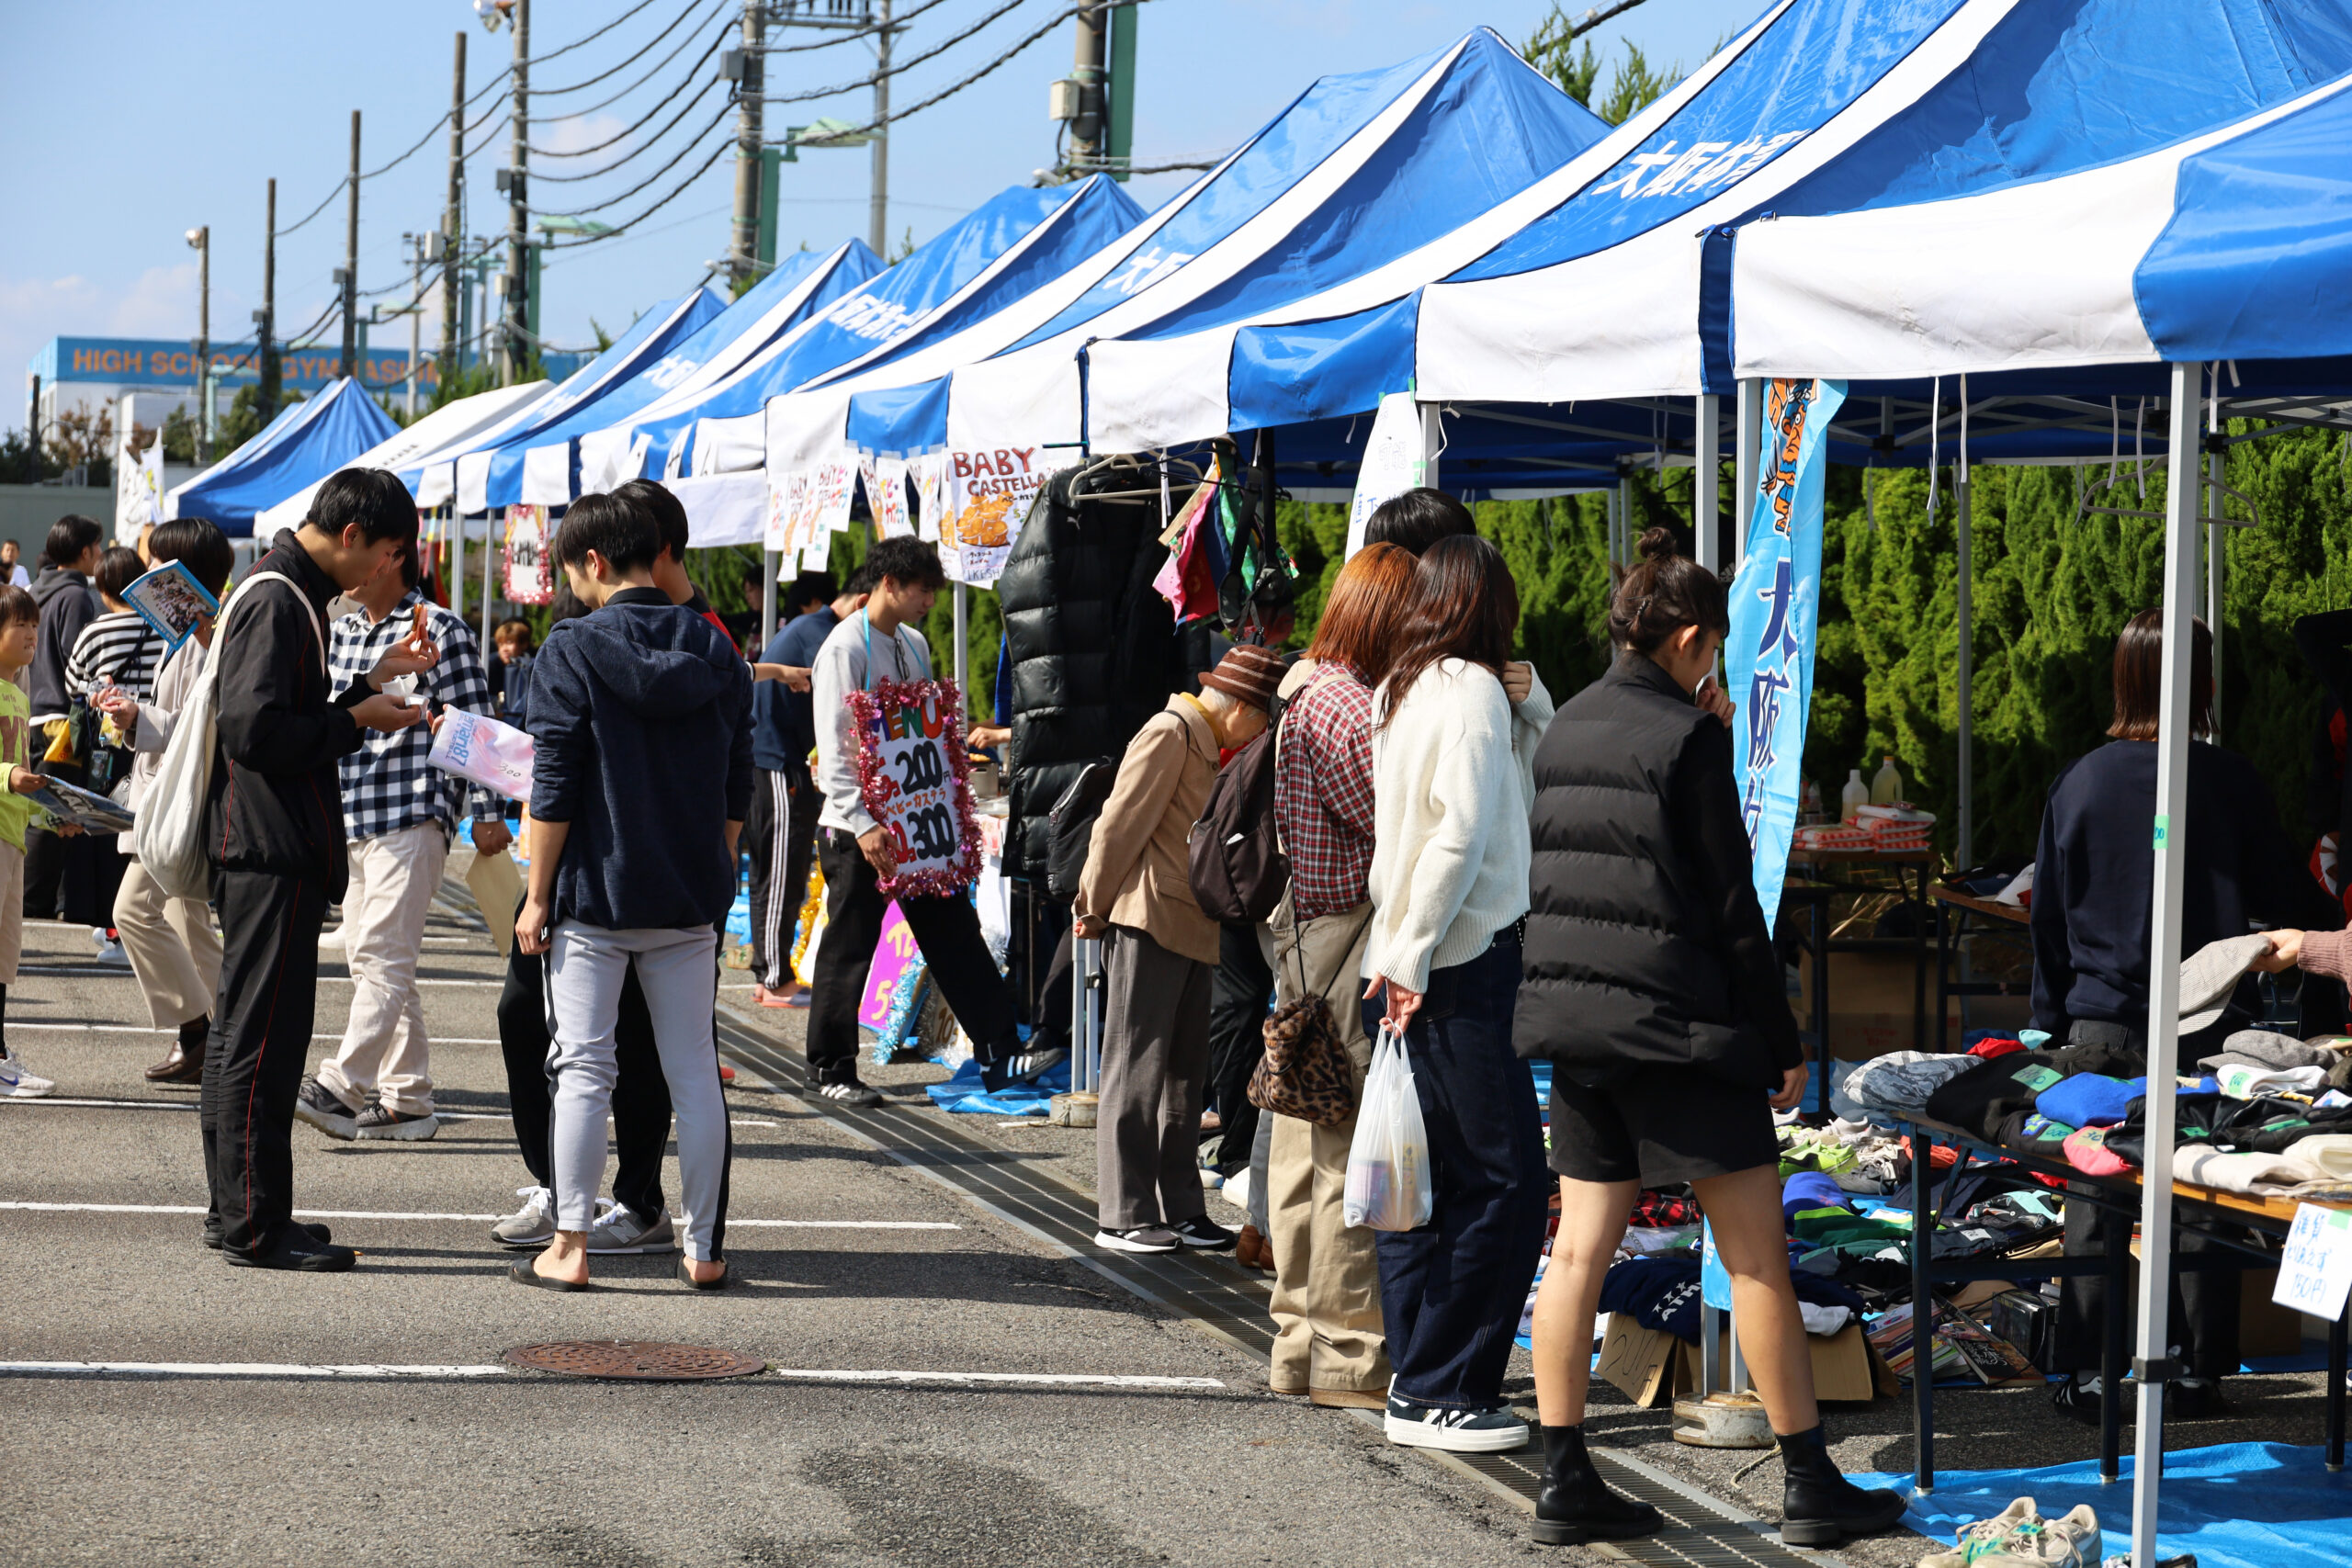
x=887, y=735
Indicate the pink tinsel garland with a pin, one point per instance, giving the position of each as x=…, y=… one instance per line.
x=876, y=789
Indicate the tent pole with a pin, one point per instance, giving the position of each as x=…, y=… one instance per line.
x=770, y=569
x=1433, y=443
x=1965, y=668
x=2217, y=566
x=457, y=569
x=2163, y=965
x=1749, y=437
x=963, y=646
x=489, y=558
x=1704, y=479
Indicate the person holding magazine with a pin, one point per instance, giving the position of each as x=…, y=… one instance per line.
x=171, y=942
x=274, y=834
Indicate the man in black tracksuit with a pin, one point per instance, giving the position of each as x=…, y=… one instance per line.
x=274, y=822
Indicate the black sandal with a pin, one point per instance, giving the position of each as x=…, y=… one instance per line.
x=686, y=1277
x=523, y=1274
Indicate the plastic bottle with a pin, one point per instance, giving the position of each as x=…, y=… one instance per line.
x=1853, y=797
x=1887, y=787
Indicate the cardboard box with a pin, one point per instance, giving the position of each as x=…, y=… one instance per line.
x=1650, y=1367
x=2264, y=1328
x=1869, y=1003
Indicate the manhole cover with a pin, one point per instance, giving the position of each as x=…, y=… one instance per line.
x=645, y=1359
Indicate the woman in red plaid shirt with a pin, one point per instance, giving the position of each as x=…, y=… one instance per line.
x=1327, y=1282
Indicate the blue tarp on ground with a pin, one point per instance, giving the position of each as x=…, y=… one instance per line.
x=2236, y=1505
x=963, y=1094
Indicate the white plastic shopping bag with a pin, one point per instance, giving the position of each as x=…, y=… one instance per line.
x=1389, y=1163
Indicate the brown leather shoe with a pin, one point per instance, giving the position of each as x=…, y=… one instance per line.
x=1248, y=1246
x=181, y=1067
x=1348, y=1398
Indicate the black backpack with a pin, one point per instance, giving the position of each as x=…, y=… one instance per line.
x=1237, y=869
x=1070, y=826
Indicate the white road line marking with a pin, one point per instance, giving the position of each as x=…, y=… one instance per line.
x=483, y=1219
x=358, y=1371
x=190, y=1105
x=1057, y=1380
x=87, y=972
x=140, y=1028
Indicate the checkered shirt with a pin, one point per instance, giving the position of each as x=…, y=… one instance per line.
x=1323, y=792
x=387, y=784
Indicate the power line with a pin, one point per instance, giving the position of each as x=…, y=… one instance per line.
x=655, y=70
x=716, y=38
x=850, y=34
x=913, y=61
x=629, y=157
x=679, y=154
x=1005, y=59
x=600, y=32
x=676, y=191
x=623, y=63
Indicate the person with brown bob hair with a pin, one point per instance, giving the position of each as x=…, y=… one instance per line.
x=1451, y=757
x=1652, y=988
x=1327, y=1285
x=2093, y=890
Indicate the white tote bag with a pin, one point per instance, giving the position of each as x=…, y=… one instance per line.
x=168, y=837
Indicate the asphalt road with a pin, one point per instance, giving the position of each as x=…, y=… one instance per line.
x=881, y=1269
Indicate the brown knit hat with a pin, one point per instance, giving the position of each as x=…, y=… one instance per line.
x=1247, y=674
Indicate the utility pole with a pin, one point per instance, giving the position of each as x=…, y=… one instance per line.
x=1086, y=127
x=879, y=222
x=266, y=398
x=201, y=240
x=744, y=255
x=518, y=206
x=350, y=366
x=453, y=221
x=415, y=312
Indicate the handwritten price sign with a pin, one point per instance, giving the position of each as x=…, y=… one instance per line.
x=910, y=772
x=2315, y=1271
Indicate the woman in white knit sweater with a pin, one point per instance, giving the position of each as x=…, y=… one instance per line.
x=1452, y=783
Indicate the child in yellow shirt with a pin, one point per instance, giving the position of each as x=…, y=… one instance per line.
x=19, y=632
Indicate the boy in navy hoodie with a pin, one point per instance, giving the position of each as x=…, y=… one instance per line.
x=641, y=716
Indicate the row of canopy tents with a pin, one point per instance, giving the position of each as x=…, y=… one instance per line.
x=2014, y=228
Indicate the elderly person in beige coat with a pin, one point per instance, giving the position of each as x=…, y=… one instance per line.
x=1159, y=952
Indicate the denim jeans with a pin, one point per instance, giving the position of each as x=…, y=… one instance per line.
x=1452, y=1291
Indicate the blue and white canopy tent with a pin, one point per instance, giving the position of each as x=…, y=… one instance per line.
x=998, y=252
x=461, y=471
x=543, y=465
x=303, y=445
x=452, y=423
x=1357, y=171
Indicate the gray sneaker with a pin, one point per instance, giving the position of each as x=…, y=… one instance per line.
x=380, y=1123
x=316, y=1104
x=533, y=1225
x=619, y=1231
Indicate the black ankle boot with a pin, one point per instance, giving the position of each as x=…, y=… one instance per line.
x=1576, y=1506
x=1819, y=1506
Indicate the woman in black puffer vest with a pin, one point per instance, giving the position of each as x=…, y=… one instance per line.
x=1651, y=985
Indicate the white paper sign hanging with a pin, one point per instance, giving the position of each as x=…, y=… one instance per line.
x=1394, y=461
x=885, y=495
x=929, y=475
x=2315, y=1269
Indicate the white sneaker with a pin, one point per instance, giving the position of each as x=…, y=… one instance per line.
x=531, y=1226
x=110, y=951
x=16, y=1083
x=617, y=1230
x=1141, y=1238
x=331, y=942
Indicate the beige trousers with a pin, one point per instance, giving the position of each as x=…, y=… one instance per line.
x=393, y=878
x=173, y=948
x=1326, y=1279
x=12, y=911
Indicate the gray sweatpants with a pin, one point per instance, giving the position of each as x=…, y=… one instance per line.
x=678, y=972
x=1155, y=1065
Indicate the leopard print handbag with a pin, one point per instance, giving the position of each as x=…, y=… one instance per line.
x=1305, y=1072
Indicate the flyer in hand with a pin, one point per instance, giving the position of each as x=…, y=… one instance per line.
x=83, y=809
x=912, y=772
x=496, y=756
x=172, y=601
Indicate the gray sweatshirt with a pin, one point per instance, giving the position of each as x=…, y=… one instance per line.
x=839, y=670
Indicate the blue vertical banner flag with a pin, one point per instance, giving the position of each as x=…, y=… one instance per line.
x=1775, y=615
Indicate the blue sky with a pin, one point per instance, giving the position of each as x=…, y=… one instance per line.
x=125, y=124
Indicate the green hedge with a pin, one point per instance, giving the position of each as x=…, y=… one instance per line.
x=2049, y=594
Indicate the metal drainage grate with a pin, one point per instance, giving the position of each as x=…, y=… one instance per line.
x=645, y=1360
x=1695, y=1535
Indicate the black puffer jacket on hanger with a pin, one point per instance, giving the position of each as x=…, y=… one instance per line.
x=1092, y=646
